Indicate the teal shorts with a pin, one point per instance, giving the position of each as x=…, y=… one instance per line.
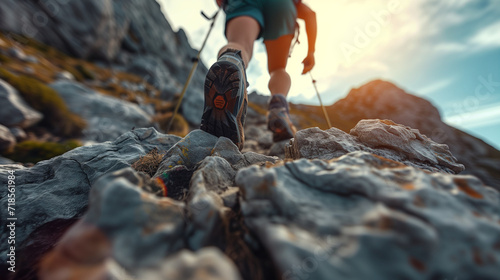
x=275, y=17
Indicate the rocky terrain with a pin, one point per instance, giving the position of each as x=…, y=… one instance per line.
x=340, y=205
x=102, y=192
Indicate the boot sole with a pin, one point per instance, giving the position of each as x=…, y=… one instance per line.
x=225, y=108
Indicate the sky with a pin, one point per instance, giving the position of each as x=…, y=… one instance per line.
x=446, y=51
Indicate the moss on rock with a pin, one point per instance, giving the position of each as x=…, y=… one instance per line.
x=35, y=151
x=57, y=117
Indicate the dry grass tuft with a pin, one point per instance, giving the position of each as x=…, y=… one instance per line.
x=149, y=163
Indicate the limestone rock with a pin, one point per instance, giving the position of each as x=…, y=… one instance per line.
x=189, y=151
x=362, y=216
x=58, y=189
x=107, y=117
x=83, y=29
x=157, y=230
x=198, y=145
x=157, y=226
x=384, y=138
x=166, y=54
x=155, y=73
x=15, y=111
x=107, y=231
x=214, y=176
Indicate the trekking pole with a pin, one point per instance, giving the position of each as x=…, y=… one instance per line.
x=320, y=102
x=195, y=64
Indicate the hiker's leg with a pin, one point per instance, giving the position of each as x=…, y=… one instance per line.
x=277, y=57
x=241, y=33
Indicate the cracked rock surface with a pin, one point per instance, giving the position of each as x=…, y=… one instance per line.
x=58, y=189
x=381, y=137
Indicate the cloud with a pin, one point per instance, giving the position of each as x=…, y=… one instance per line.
x=434, y=87
x=489, y=37
x=484, y=39
x=485, y=116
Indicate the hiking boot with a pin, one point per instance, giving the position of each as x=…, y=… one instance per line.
x=226, y=98
x=278, y=119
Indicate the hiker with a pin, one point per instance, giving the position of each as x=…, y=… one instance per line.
x=226, y=82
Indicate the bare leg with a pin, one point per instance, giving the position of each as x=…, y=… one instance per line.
x=277, y=57
x=241, y=33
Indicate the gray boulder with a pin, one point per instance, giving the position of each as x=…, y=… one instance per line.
x=58, y=189
x=15, y=111
x=211, y=165
x=153, y=71
x=193, y=103
x=198, y=145
x=137, y=230
x=381, y=137
x=362, y=216
x=192, y=149
x=156, y=229
x=83, y=29
x=107, y=117
x=7, y=140
x=171, y=82
x=168, y=54
x=205, y=206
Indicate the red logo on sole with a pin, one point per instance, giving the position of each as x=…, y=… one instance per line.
x=219, y=102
